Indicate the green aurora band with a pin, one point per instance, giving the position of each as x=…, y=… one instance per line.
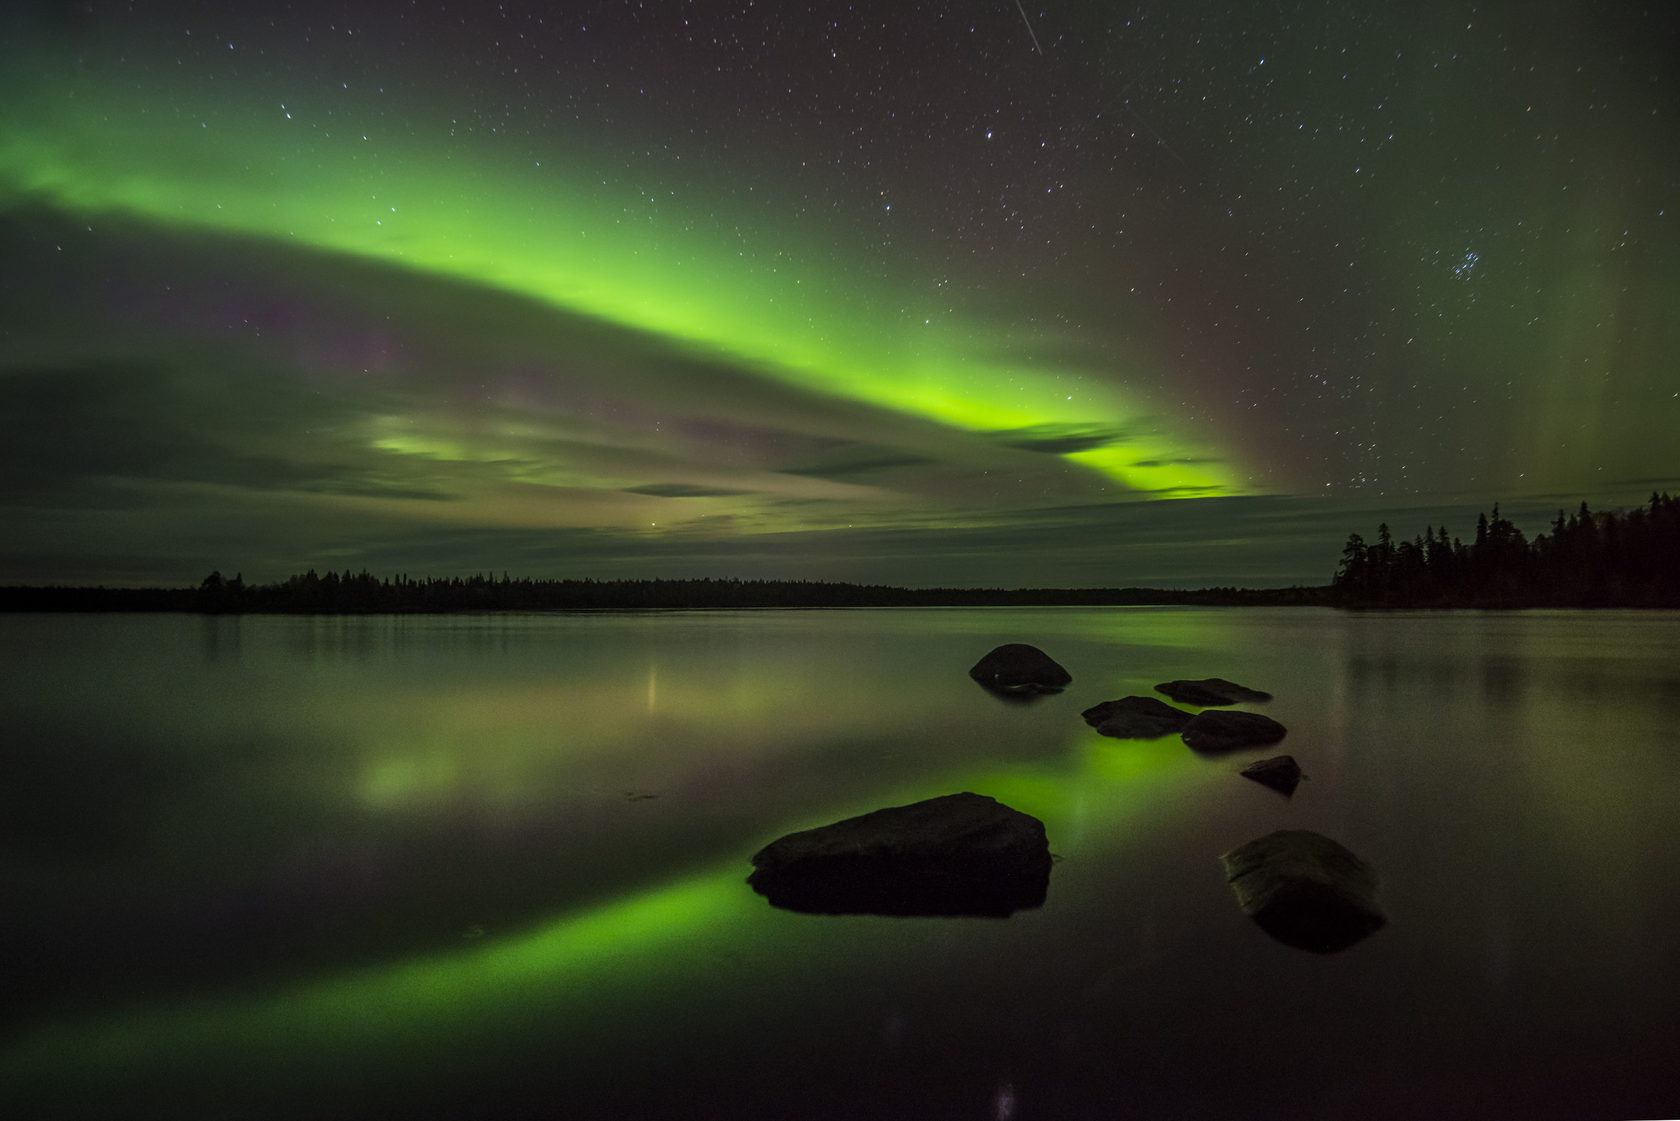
x=739, y=287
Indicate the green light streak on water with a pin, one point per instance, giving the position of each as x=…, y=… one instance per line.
x=786, y=302
x=426, y=1013
x=582, y=978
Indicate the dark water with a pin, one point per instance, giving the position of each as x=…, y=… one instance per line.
x=493, y=867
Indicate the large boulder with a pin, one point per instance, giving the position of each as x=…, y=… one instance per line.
x=1280, y=772
x=1210, y=691
x=961, y=854
x=1218, y=730
x=1305, y=890
x=1136, y=718
x=1017, y=669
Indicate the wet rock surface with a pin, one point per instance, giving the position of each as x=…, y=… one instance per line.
x=1136, y=718
x=960, y=854
x=1210, y=691
x=1305, y=890
x=1280, y=772
x=1219, y=731
x=1017, y=669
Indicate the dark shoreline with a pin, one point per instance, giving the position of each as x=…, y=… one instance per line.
x=364, y=595
x=481, y=596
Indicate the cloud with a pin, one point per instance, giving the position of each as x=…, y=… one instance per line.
x=1061, y=439
x=349, y=399
x=1185, y=543
x=862, y=461
x=70, y=435
x=683, y=490
x=1183, y=461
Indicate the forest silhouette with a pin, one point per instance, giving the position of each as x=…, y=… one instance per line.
x=1627, y=559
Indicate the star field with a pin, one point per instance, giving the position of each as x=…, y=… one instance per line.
x=950, y=293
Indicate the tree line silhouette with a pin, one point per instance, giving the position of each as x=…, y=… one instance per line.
x=359, y=593
x=1604, y=559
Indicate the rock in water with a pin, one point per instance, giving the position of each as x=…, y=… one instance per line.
x=1210, y=691
x=1216, y=731
x=1280, y=772
x=1017, y=669
x=1136, y=718
x=961, y=854
x=1305, y=890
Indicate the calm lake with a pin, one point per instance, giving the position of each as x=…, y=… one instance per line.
x=494, y=866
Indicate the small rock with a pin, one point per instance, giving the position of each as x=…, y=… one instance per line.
x=1280, y=772
x=1210, y=691
x=961, y=854
x=1219, y=730
x=1305, y=890
x=1017, y=669
x=1136, y=718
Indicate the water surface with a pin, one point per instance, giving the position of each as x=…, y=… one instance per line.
x=494, y=866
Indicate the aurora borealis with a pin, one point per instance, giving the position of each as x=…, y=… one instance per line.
x=931, y=294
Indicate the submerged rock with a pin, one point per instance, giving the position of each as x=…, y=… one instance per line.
x=1280, y=772
x=1210, y=691
x=1136, y=718
x=1216, y=731
x=1017, y=669
x=961, y=854
x=1305, y=890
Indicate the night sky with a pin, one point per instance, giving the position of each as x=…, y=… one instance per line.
x=935, y=293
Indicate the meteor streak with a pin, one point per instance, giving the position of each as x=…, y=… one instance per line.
x=1028, y=22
